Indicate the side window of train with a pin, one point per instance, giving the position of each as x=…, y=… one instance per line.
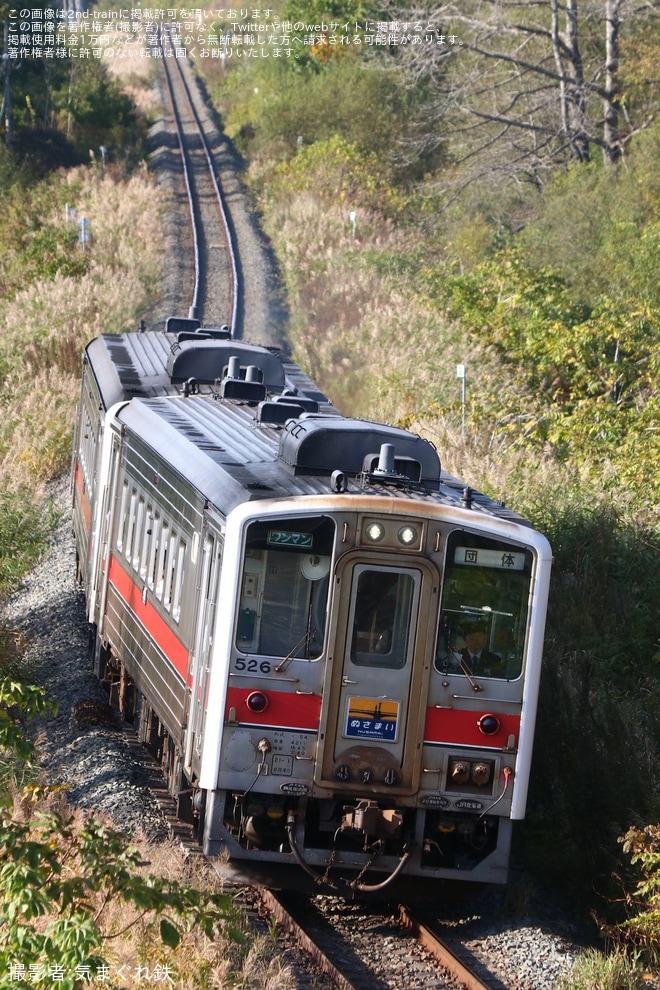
x=86, y=447
x=131, y=525
x=177, y=583
x=168, y=576
x=153, y=552
x=285, y=586
x=483, y=613
x=140, y=527
x=161, y=563
x=124, y=516
x=173, y=578
x=153, y=547
x=147, y=535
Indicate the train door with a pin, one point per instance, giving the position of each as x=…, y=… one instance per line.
x=207, y=601
x=102, y=527
x=379, y=679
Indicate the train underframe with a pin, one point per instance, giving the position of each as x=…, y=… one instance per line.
x=351, y=844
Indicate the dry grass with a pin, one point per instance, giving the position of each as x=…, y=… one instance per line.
x=135, y=74
x=44, y=327
x=35, y=444
x=374, y=345
x=381, y=351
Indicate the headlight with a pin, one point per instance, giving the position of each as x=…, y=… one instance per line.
x=375, y=532
x=489, y=724
x=408, y=535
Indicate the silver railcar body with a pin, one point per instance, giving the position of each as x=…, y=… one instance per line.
x=283, y=599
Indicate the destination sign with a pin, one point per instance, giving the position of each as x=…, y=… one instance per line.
x=372, y=718
x=287, y=538
x=505, y=560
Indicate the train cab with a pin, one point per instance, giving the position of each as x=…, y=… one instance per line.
x=350, y=692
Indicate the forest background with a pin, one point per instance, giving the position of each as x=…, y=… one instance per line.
x=491, y=199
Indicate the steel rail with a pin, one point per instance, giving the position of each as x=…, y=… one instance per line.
x=194, y=214
x=447, y=958
x=274, y=906
x=186, y=176
x=465, y=971
x=276, y=903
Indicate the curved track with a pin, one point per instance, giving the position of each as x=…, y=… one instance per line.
x=353, y=945
x=216, y=291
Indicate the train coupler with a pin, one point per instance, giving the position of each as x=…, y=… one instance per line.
x=371, y=820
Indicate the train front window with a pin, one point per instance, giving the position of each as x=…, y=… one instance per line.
x=285, y=586
x=483, y=615
x=382, y=607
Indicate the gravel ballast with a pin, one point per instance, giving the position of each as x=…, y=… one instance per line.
x=82, y=748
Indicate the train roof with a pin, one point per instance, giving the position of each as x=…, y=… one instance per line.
x=148, y=365
x=242, y=423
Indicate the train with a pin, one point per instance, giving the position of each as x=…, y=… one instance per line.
x=332, y=646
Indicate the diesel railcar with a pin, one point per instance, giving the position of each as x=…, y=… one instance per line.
x=332, y=645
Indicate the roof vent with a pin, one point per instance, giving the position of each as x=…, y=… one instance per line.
x=204, y=333
x=273, y=413
x=208, y=359
x=322, y=444
x=191, y=335
x=305, y=404
x=242, y=391
x=177, y=324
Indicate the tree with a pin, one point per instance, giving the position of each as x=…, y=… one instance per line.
x=531, y=85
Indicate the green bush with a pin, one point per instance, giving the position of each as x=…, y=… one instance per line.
x=642, y=928
x=35, y=243
x=365, y=106
x=59, y=877
x=24, y=531
x=338, y=172
x=587, y=375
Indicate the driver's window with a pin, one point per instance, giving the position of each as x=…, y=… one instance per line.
x=483, y=615
x=284, y=587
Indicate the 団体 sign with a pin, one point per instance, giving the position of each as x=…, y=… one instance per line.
x=506, y=560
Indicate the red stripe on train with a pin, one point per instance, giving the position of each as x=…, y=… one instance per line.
x=153, y=622
x=84, y=501
x=455, y=727
x=284, y=711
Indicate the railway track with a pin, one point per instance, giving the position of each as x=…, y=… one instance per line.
x=392, y=946
x=220, y=268
x=215, y=290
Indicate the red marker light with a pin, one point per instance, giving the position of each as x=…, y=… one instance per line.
x=257, y=702
x=489, y=724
